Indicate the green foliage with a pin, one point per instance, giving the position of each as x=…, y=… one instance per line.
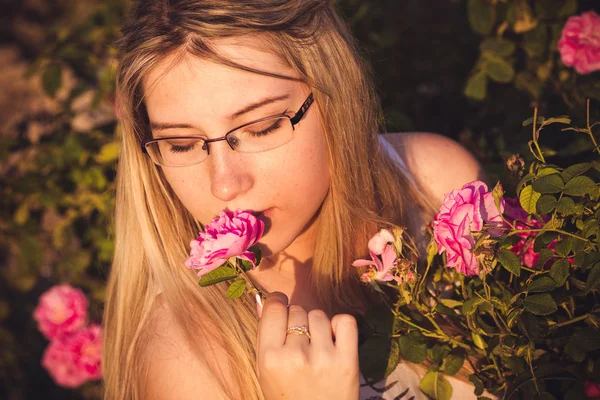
x=527, y=327
x=519, y=47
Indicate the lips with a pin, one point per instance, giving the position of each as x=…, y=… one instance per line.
x=268, y=212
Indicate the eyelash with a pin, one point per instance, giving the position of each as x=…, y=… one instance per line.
x=270, y=129
x=275, y=126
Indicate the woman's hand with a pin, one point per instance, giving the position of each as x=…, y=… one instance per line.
x=291, y=366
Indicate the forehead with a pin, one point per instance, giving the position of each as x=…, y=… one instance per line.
x=177, y=87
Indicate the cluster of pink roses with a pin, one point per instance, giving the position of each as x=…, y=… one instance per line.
x=579, y=44
x=75, y=350
x=230, y=234
x=472, y=210
x=463, y=213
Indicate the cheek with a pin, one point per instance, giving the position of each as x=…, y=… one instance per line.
x=189, y=187
x=304, y=179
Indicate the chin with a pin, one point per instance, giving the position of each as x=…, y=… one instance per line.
x=274, y=242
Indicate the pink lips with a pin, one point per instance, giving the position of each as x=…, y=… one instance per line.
x=268, y=212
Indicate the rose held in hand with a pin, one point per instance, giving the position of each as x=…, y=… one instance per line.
x=462, y=214
x=231, y=234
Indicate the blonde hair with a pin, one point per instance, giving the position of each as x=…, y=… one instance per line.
x=153, y=228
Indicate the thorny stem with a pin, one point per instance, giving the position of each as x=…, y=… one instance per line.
x=536, y=135
x=589, y=128
x=569, y=322
x=512, y=233
x=533, y=378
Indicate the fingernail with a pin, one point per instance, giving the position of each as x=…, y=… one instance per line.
x=259, y=305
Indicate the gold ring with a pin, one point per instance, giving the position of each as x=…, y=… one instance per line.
x=298, y=330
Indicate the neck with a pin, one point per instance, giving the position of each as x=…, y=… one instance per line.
x=289, y=271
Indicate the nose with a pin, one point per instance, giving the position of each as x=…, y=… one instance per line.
x=230, y=173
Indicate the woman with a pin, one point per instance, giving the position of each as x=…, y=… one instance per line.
x=319, y=175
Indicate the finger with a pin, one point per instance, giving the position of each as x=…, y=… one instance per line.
x=273, y=322
x=297, y=317
x=259, y=305
x=345, y=331
x=320, y=329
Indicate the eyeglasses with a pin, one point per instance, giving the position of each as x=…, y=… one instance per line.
x=253, y=137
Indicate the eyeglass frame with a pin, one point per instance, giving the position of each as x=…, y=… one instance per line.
x=294, y=120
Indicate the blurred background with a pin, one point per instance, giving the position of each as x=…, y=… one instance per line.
x=471, y=70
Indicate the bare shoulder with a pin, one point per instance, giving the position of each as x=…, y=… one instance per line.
x=173, y=370
x=437, y=163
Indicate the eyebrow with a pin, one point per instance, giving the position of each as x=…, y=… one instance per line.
x=159, y=126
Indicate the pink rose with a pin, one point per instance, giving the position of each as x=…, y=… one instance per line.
x=230, y=234
x=61, y=310
x=380, y=265
x=518, y=216
x=378, y=243
x=579, y=44
x=75, y=358
x=464, y=212
x=592, y=390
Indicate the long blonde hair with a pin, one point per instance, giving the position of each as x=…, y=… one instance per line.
x=153, y=228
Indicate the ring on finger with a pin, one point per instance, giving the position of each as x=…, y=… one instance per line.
x=298, y=330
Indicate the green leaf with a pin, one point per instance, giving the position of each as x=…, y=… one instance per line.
x=482, y=16
x=540, y=304
x=236, y=289
x=546, y=171
x=499, y=70
x=563, y=246
x=453, y=364
x=245, y=264
x=528, y=199
x=580, y=186
x=575, y=170
x=108, y=153
x=22, y=213
x=257, y=254
x=563, y=119
x=529, y=121
x=477, y=383
x=221, y=274
x=450, y=303
x=549, y=184
x=566, y=206
x=478, y=340
x=411, y=350
x=546, y=204
x=470, y=306
x=569, y=7
x=560, y=271
x=438, y=353
x=378, y=357
x=436, y=386
x=498, y=46
x=510, y=261
x=476, y=87
x=52, y=79
x=593, y=281
x=542, y=284
x=535, y=41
